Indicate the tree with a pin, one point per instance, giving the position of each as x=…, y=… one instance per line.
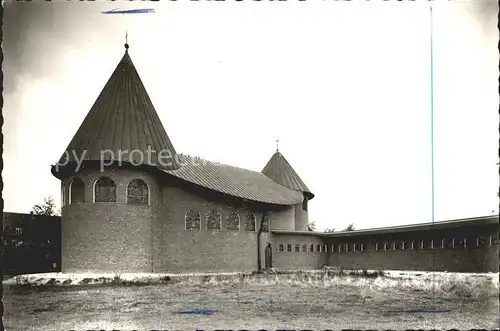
x=350, y=227
x=329, y=230
x=47, y=208
x=311, y=226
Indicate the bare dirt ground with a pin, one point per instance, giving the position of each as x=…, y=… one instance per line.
x=271, y=302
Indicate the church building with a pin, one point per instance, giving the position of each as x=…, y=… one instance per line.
x=132, y=203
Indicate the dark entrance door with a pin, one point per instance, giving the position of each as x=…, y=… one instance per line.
x=268, y=256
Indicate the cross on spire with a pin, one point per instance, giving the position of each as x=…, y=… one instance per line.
x=277, y=145
x=126, y=39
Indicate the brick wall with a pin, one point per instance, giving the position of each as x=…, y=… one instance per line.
x=183, y=250
x=298, y=260
x=458, y=259
x=116, y=237
x=111, y=237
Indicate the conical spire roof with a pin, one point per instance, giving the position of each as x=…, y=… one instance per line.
x=123, y=119
x=279, y=170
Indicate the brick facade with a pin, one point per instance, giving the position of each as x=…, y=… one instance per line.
x=448, y=258
x=113, y=237
x=358, y=251
x=298, y=260
x=117, y=237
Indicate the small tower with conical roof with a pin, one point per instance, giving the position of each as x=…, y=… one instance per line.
x=110, y=179
x=279, y=170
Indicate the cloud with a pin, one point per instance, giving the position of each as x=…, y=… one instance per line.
x=31, y=26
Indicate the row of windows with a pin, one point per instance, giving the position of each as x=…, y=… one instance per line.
x=305, y=248
x=214, y=221
x=456, y=242
x=480, y=241
x=104, y=190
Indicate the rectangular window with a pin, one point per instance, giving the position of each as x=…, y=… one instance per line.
x=63, y=200
x=304, y=204
x=481, y=241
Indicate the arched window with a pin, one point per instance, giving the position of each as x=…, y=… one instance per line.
x=422, y=244
x=137, y=192
x=104, y=190
x=393, y=245
x=288, y=247
x=63, y=195
x=76, y=191
x=376, y=247
x=250, y=223
x=213, y=220
x=281, y=248
x=412, y=244
x=318, y=248
x=432, y=244
x=325, y=248
x=333, y=248
x=362, y=247
x=304, y=248
x=354, y=246
x=297, y=248
x=465, y=242
x=403, y=245
x=346, y=248
x=192, y=220
x=385, y=246
x=339, y=248
x=442, y=242
x=233, y=221
x=311, y=248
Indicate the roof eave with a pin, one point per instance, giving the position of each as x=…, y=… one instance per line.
x=484, y=220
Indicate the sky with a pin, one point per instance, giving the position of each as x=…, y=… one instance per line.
x=345, y=87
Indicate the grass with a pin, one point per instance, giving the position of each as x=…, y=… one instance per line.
x=307, y=300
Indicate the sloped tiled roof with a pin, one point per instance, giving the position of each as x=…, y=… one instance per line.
x=279, y=170
x=238, y=182
x=124, y=119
